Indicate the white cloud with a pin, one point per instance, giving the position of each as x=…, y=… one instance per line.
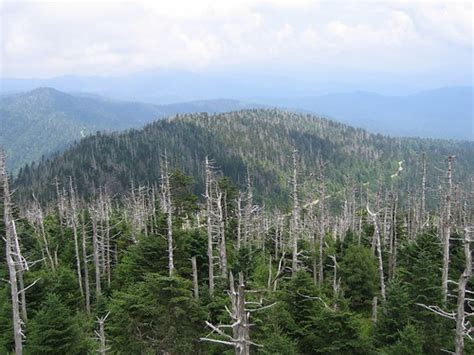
x=108, y=37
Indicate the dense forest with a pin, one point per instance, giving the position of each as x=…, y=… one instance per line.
x=259, y=141
x=257, y=231
x=44, y=121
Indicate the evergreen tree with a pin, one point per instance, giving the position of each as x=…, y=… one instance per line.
x=359, y=277
x=53, y=330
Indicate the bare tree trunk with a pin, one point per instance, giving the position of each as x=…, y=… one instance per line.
x=95, y=251
x=195, y=277
x=241, y=330
x=248, y=211
x=101, y=335
x=447, y=231
x=393, y=235
x=462, y=285
x=239, y=221
x=73, y=221
x=10, y=232
x=210, y=251
x=87, y=291
x=169, y=215
x=322, y=232
x=423, y=188
x=374, y=310
x=294, y=228
x=222, y=243
x=378, y=246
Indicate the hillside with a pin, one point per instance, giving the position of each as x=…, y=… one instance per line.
x=45, y=120
x=259, y=141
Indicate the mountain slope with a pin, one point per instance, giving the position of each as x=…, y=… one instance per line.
x=45, y=120
x=259, y=141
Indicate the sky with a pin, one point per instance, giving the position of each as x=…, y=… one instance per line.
x=430, y=41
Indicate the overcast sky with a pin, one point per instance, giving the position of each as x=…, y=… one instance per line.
x=424, y=38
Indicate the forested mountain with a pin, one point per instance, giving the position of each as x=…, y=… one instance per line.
x=249, y=254
x=258, y=142
x=45, y=120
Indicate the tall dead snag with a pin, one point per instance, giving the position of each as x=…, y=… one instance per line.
x=84, y=263
x=239, y=220
x=36, y=218
x=322, y=224
x=221, y=233
x=60, y=206
x=248, y=212
x=95, y=250
x=239, y=314
x=10, y=242
x=103, y=348
x=336, y=282
x=378, y=247
x=72, y=219
x=393, y=242
x=13, y=257
x=168, y=209
x=447, y=228
x=464, y=328
x=423, y=189
x=195, y=277
x=209, y=180
x=295, y=215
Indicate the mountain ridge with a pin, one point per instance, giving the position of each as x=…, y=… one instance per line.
x=259, y=141
x=46, y=120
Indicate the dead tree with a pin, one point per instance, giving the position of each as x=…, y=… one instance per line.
x=72, y=219
x=336, y=282
x=378, y=247
x=423, y=189
x=239, y=314
x=15, y=262
x=35, y=217
x=393, y=242
x=221, y=233
x=322, y=223
x=464, y=328
x=96, y=250
x=295, y=215
x=168, y=209
x=87, y=291
x=103, y=348
x=195, y=277
x=209, y=181
x=248, y=212
x=239, y=220
x=447, y=228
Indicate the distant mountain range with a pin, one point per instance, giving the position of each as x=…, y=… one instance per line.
x=441, y=113
x=44, y=120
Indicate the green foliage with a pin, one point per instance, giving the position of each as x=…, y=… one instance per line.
x=156, y=315
x=395, y=313
x=359, y=277
x=318, y=328
x=409, y=341
x=53, y=330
